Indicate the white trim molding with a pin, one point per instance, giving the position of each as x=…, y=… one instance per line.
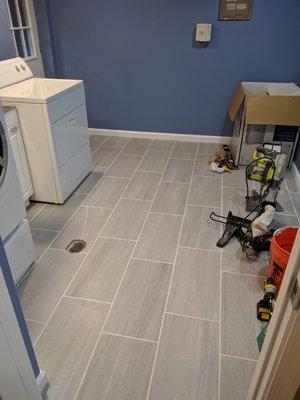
x=160, y=135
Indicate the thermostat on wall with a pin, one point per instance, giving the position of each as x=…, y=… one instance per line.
x=203, y=32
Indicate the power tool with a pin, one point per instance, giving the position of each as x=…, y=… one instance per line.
x=265, y=305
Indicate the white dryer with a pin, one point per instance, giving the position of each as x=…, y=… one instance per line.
x=53, y=121
x=14, y=228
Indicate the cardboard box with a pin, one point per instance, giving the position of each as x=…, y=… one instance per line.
x=256, y=109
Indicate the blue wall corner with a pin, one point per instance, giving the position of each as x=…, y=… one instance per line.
x=17, y=308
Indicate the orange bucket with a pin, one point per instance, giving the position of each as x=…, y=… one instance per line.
x=281, y=247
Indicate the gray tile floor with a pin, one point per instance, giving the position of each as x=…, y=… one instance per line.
x=151, y=309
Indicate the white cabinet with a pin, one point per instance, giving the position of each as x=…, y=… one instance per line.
x=15, y=135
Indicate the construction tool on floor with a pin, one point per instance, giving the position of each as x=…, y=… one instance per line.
x=222, y=161
x=268, y=169
x=265, y=305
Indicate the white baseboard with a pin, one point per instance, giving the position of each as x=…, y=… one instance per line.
x=159, y=135
x=295, y=172
x=42, y=382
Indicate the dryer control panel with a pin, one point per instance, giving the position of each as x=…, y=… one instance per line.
x=13, y=71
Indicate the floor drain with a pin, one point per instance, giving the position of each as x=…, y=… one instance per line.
x=76, y=246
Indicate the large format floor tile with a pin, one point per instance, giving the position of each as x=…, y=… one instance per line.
x=195, y=289
x=198, y=230
x=42, y=240
x=117, y=142
x=205, y=191
x=102, y=271
x=178, y=171
x=202, y=167
x=236, y=376
x=50, y=277
x=127, y=219
x=281, y=220
x=187, y=364
x=162, y=145
x=239, y=327
x=137, y=146
x=120, y=369
x=154, y=161
x=143, y=185
x=209, y=148
x=234, y=201
x=138, y=308
x=170, y=198
x=235, y=179
x=184, y=150
x=34, y=329
x=55, y=216
x=33, y=209
x=104, y=156
x=124, y=166
x=96, y=141
x=296, y=200
x=285, y=201
x=86, y=225
x=66, y=345
x=159, y=237
x=107, y=192
x=90, y=182
x=292, y=182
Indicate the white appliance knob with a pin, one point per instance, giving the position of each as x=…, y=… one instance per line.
x=17, y=68
x=23, y=68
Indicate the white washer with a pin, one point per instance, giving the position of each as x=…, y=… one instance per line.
x=53, y=121
x=14, y=228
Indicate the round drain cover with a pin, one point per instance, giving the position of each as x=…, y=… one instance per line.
x=76, y=246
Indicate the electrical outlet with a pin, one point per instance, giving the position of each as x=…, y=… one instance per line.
x=203, y=32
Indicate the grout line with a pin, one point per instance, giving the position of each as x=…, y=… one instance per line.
x=239, y=358
x=83, y=298
x=35, y=321
x=162, y=213
x=169, y=181
x=295, y=210
x=193, y=317
x=172, y=273
x=44, y=229
x=115, y=238
x=153, y=261
x=208, y=176
x=118, y=288
x=204, y=206
x=128, y=337
x=220, y=293
x=105, y=208
x=32, y=218
x=200, y=249
x=182, y=158
x=132, y=198
x=98, y=147
x=150, y=171
x=243, y=274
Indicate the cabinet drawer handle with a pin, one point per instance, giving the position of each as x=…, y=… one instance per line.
x=71, y=120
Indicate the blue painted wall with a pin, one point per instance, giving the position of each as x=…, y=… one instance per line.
x=144, y=72
x=7, y=48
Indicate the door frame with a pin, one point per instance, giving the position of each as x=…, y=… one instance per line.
x=277, y=373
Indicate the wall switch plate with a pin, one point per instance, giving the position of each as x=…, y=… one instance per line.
x=203, y=32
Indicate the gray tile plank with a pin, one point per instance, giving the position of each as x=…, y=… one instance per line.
x=34, y=329
x=235, y=179
x=96, y=141
x=205, y=191
x=159, y=237
x=102, y=271
x=285, y=201
x=236, y=376
x=88, y=184
x=154, y=161
x=42, y=289
x=170, y=198
x=33, y=209
x=209, y=148
x=240, y=327
x=137, y=146
x=107, y=193
x=55, y=216
x=185, y=150
x=178, y=171
x=42, y=240
x=187, y=364
x=249, y=262
x=202, y=167
x=198, y=230
x=234, y=201
x=162, y=145
x=86, y=225
x=127, y=219
x=66, y=345
x=124, y=166
x=143, y=185
x=138, y=308
x=195, y=289
x=120, y=369
x=281, y=220
x=117, y=142
x=292, y=182
x=104, y=156
x=296, y=200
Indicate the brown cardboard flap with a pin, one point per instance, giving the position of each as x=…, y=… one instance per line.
x=273, y=110
x=236, y=102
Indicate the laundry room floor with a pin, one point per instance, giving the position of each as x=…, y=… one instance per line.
x=150, y=309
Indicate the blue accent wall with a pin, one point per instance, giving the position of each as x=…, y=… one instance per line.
x=7, y=47
x=143, y=71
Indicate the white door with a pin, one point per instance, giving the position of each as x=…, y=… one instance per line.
x=277, y=373
x=25, y=34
